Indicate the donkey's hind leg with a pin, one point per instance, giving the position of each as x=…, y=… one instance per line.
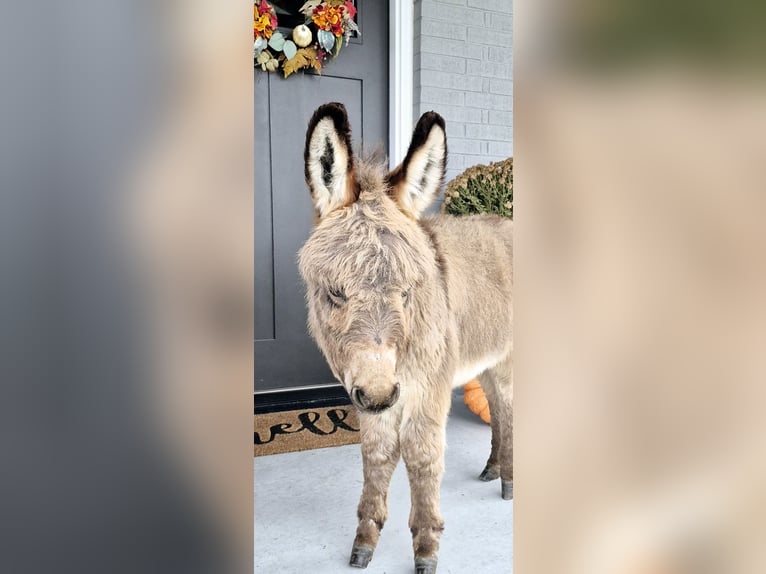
x=497, y=383
x=380, y=455
x=492, y=468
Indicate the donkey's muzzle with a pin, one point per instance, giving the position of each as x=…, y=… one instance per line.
x=365, y=402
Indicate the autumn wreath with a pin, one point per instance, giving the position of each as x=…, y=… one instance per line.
x=329, y=24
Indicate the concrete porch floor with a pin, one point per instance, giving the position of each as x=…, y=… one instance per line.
x=305, y=510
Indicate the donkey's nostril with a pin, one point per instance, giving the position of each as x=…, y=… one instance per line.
x=394, y=395
x=358, y=397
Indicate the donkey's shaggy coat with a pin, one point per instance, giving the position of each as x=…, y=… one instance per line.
x=404, y=309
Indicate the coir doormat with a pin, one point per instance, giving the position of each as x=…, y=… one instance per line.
x=304, y=429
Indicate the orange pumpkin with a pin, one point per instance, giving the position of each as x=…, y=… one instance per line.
x=474, y=397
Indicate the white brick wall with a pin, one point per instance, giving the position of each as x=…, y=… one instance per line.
x=463, y=70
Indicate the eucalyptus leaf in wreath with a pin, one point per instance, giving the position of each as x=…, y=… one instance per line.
x=259, y=45
x=277, y=41
x=326, y=40
x=289, y=49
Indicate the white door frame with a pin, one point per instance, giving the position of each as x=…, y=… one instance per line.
x=400, y=78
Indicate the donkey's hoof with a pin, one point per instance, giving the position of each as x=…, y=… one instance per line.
x=507, y=489
x=490, y=472
x=360, y=556
x=425, y=565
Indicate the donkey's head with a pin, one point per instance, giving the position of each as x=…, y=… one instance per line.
x=370, y=270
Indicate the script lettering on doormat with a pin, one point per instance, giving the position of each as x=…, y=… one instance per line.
x=300, y=430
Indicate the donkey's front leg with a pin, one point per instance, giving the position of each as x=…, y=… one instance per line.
x=423, y=444
x=380, y=455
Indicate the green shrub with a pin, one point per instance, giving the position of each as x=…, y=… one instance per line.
x=482, y=189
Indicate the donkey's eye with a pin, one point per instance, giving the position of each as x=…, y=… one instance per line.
x=336, y=297
x=406, y=296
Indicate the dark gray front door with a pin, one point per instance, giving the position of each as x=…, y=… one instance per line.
x=285, y=356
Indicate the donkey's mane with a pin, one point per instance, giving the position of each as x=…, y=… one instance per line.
x=371, y=172
x=370, y=240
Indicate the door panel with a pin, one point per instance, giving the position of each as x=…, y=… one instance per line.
x=264, y=260
x=292, y=207
x=285, y=356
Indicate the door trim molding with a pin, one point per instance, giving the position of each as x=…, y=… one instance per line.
x=400, y=77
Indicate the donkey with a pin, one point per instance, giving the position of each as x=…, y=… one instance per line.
x=405, y=308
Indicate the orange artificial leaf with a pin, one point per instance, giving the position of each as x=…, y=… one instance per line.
x=304, y=58
x=316, y=62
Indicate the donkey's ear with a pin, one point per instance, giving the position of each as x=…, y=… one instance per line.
x=329, y=161
x=416, y=182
